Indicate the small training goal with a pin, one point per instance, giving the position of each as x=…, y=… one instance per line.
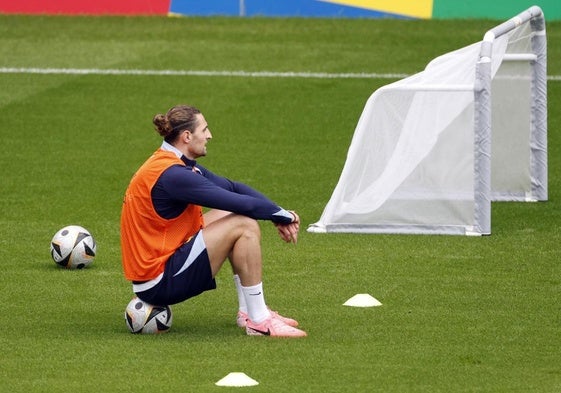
x=431, y=151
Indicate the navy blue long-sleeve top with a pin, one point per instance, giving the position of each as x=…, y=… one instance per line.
x=178, y=186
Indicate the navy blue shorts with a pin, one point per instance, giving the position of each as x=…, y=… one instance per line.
x=187, y=273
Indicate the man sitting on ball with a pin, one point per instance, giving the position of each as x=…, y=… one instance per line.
x=171, y=251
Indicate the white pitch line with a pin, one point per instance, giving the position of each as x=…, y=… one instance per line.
x=244, y=74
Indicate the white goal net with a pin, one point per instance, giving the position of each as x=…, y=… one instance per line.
x=431, y=151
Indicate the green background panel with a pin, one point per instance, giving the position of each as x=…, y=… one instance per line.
x=502, y=9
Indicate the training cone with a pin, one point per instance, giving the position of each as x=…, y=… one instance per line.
x=237, y=380
x=362, y=300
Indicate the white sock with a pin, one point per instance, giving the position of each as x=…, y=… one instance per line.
x=241, y=296
x=255, y=300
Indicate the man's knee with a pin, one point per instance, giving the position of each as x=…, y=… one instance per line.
x=232, y=227
x=249, y=226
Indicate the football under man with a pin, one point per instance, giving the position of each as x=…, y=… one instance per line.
x=171, y=251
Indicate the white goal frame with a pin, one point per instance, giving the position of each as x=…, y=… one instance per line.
x=489, y=184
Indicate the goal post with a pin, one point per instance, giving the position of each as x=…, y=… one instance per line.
x=431, y=151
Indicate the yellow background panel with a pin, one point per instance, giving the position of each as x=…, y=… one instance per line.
x=413, y=8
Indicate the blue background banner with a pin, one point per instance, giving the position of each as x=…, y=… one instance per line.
x=287, y=8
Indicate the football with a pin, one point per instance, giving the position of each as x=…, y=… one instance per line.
x=73, y=247
x=142, y=317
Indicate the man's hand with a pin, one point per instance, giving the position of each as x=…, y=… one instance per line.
x=289, y=232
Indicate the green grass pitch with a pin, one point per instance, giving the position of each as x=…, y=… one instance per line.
x=459, y=314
